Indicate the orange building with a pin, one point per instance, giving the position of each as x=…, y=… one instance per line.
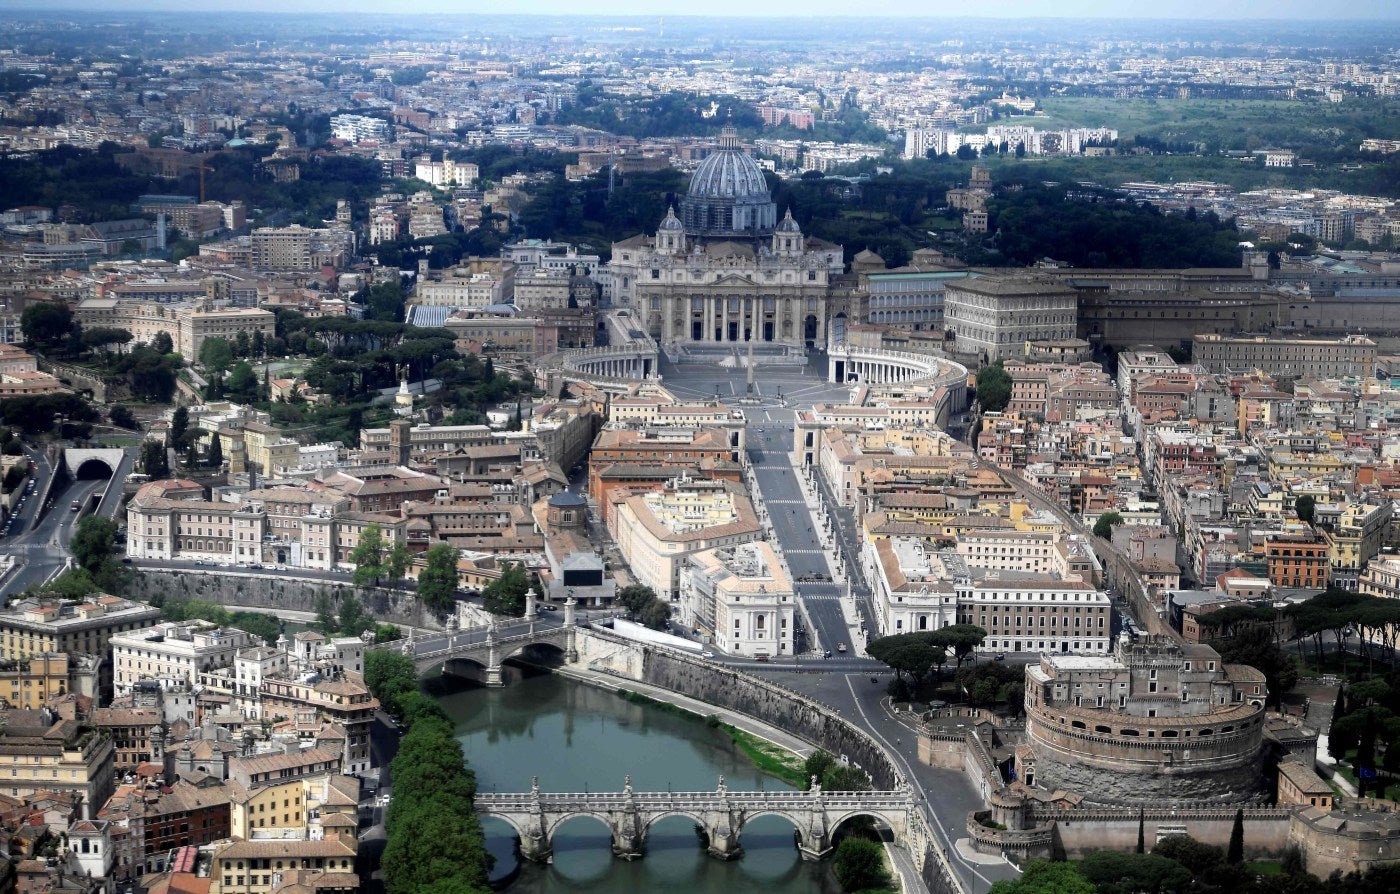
x=1298, y=559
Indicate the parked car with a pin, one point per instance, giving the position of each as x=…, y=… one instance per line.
x=707, y=654
x=763, y=658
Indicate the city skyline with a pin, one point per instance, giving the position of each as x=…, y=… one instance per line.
x=1190, y=10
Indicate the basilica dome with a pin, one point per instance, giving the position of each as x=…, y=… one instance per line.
x=728, y=197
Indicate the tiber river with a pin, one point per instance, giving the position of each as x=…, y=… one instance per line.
x=575, y=737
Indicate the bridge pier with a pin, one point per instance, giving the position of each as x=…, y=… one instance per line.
x=722, y=824
x=816, y=837
x=629, y=832
x=493, y=659
x=535, y=844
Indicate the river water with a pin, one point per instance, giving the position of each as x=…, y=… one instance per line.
x=576, y=737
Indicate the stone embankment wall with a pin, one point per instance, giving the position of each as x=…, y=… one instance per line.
x=803, y=717
x=772, y=704
x=276, y=594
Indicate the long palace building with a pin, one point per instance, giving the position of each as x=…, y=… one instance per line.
x=727, y=269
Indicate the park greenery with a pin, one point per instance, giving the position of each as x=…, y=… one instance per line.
x=434, y=842
x=993, y=387
x=643, y=606
x=1105, y=523
x=506, y=594
x=390, y=676
x=1179, y=864
x=375, y=560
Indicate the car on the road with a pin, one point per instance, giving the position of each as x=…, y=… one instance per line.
x=1000, y=656
x=707, y=654
x=841, y=647
x=551, y=608
x=761, y=657
x=826, y=654
x=75, y=507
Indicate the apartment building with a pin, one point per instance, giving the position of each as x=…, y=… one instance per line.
x=173, y=653
x=29, y=683
x=39, y=626
x=657, y=531
x=1298, y=557
x=340, y=698
x=1038, y=615
x=69, y=758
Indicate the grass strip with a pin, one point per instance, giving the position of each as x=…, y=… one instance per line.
x=768, y=758
x=772, y=759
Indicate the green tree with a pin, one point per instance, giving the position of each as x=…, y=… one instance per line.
x=437, y=582
x=352, y=617
x=397, y=561
x=46, y=325
x=93, y=542
x=1235, y=852
x=1305, y=507
x=817, y=765
x=179, y=424
x=386, y=633
x=390, y=676
x=1044, y=877
x=506, y=594
x=1103, y=527
x=860, y=865
x=163, y=343
x=122, y=417
x=325, y=614
x=242, y=382
x=993, y=387
x=963, y=639
x=154, y=462
x=1114, y=873
x=1142, y=830
x=368, y=556
x=265, y=627
x=216, y=356
x=1197, y=857
x=908, y=653
x=216, y=451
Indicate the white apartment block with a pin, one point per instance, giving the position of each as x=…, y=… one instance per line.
x=742, y=598
x=446, y=172
x=359, y=128
x=173, y=654
x=920, y=141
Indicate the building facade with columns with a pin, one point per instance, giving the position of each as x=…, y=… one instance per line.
x=727, y=269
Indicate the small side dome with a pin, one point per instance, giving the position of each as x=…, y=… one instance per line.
x=671, y=222
x=787, y=224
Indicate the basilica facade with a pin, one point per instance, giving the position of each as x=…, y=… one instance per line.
x=727, y=270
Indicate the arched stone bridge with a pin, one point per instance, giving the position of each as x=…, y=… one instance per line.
x=721, y=814
x=490, y=646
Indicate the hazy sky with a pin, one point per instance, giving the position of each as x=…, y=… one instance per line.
x=1115, y=9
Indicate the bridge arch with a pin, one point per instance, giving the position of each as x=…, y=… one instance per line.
x=672, y=814
x=783, y=815
x=553, y=652
x=561, y=821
